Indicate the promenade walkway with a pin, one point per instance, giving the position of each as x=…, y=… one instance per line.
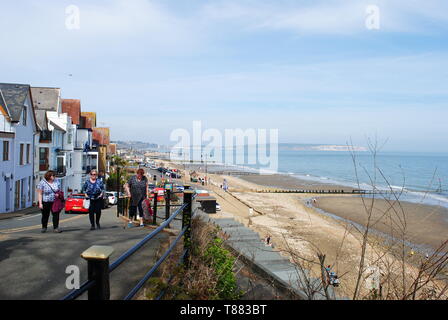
x=267, y=261
x=33, y=265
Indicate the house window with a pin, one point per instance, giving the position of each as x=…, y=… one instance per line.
x=5, y=150
x=43, y=159
x=28, y=153
x=24, y=116
x=21, y=154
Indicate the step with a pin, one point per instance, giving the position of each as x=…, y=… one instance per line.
x=242, y=237
x=239, y=230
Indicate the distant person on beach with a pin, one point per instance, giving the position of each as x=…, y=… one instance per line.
x=224, y=185
x=335, y=281
x=267, y=240
x=137, y=189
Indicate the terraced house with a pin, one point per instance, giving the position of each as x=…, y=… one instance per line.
x=39, y=131
x=57, y=133
x=17, y=133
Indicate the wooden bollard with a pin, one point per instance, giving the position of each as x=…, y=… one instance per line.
x=97, y=258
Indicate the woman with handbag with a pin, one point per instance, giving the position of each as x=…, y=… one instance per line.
x=47, y=190
x=93, y=189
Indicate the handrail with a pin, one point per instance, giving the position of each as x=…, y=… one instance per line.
x=131, y=294
x=132, y=250
x=78, y=292
x=91, y=283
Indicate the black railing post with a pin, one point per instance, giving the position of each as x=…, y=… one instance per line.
x=154, y=217
x=98, y=270
x=187, y=186
x=186, y=222
x=167, y=205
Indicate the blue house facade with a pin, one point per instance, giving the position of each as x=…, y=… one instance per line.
x=17, y=138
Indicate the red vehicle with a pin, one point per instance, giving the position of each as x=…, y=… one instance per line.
x=160, y=194
x=74, y=203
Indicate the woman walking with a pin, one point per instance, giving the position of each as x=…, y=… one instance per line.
x=93, y=190
x=137, y=189
x=47, y=191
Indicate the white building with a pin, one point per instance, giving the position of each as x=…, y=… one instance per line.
x=17, y=135
x=85, y=157
x=55, y=146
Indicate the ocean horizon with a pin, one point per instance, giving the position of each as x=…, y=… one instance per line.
x=420, y=177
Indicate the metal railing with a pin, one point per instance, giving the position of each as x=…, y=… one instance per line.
x=97, y=286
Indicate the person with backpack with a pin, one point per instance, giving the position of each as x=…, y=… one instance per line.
x=93, y=189
x=49, y=199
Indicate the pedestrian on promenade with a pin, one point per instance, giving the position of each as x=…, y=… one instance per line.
x=47, y=191
x=137, y=189
x=94, y=190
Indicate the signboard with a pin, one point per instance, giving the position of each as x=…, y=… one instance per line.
x=168, y=186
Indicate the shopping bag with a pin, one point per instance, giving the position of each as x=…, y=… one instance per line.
x=86, y=204
x=147, y=211
x=59, y=202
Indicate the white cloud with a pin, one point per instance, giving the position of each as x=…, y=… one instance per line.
x=115, y=26
x=328, y=17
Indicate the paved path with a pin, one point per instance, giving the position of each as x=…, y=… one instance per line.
x=32, y=264
x=267, y=261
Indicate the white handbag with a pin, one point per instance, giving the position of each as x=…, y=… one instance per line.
x=86, y=203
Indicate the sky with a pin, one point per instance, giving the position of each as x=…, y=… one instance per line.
x=315, y=70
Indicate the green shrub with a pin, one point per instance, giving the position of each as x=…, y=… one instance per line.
x=222, y=262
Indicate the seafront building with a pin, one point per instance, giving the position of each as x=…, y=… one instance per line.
x=85, y=156
x=40, y=131
x=17, y=136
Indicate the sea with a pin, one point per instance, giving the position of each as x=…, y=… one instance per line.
x=414, y=176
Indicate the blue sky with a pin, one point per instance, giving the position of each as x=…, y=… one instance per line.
x=309, y=68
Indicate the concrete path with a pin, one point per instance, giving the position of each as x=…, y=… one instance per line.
x=266, y=261
x=33, y=265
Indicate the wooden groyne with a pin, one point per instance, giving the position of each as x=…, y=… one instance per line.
x=363, y=192
x=234, y=173
x=354, y=191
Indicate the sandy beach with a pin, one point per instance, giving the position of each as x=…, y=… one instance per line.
x=425, y=225
x=283, y=181
x=300, y=231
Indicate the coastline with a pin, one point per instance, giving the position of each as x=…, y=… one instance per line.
x=426, y=225
x=299, y=230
